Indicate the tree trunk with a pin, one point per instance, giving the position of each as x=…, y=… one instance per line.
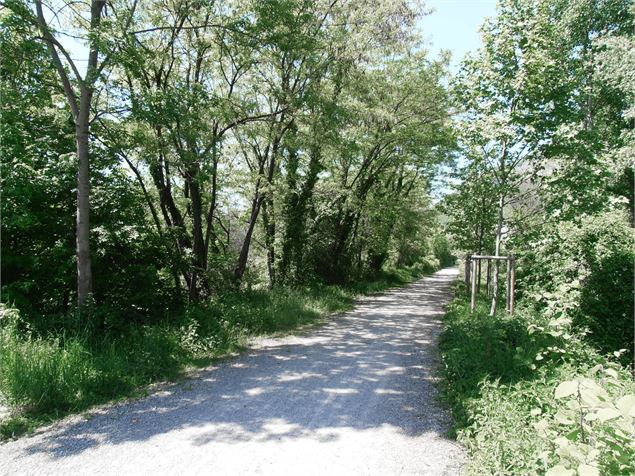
x=306, y=195
x=338, y=271
x=291, y=218
x=84, y=270
x=267, y=162
x=80, y=109
x=499, y=233
x=198, y=249
x=210, y=235
x=239, y=271
x=499, y=225
x=269, y=225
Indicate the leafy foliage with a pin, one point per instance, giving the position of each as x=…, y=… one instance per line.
x=582, y=271
x=512, y=384
x=548, y=390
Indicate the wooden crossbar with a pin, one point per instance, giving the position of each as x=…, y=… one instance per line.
x=489, y=257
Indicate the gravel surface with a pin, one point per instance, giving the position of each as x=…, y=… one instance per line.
x=355, y=396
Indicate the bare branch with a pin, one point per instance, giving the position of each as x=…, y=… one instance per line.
x=50, y=41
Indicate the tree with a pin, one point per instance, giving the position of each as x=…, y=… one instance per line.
x=277, y=141
x=39, y=175
x=491, y=89
x=185, y=73
x=79, y=98
x=79, y=91
x=472, y=209
x=540, y=118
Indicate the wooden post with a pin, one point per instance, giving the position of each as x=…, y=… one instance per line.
x=467, y=270
x=489, y=277
x=512, y=297
x=478, y=284
x=473, y=302
x=508, y=286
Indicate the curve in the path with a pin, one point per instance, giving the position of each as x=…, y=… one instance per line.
x=355, y=396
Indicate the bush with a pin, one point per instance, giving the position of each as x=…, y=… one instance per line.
x=505, y=379
x=443, y=251
x=584, y=271
x=62, y=374
x=38, y=375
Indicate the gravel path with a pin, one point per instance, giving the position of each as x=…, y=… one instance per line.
x=355, y=396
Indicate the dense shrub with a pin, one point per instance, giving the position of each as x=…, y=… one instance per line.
x=56, y=375
x=443, y=251
x=584, y=270
x=530, y=397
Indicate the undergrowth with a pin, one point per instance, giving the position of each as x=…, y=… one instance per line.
x=44, y=376
x=529, y=396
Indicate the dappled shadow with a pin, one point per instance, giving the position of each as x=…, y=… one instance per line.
x=370, y=368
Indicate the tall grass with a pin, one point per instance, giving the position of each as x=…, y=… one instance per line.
x=47, y=376
x=58, y=375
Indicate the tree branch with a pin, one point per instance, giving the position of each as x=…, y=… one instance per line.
x=50, y=41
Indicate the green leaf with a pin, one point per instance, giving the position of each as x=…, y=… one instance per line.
x=605, y=414
x=573, y=435
x=626, y=405
x=560, y=470
x=611, y=373
x=596, y=368
x=541, y=425
x=588, y=470
x=566, y=388
x=563, y=418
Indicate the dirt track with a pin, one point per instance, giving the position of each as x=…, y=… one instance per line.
x=355, y=396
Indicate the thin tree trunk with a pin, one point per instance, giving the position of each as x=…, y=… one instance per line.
x=80, y=109
x=269, y=225
x=499, y=225
x=209, y=231
x=266, y=162
x=198, y=248
x=291, y=218
x=304, y=201
x=499, y=233
x=84, y=269
x=239, y=271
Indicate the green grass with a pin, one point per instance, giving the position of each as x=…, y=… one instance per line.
x=44, y=377
x=498, y=391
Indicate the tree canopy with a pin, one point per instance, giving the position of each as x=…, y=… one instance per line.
x=214, y=146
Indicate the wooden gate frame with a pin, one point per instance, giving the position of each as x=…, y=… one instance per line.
x=473, y=270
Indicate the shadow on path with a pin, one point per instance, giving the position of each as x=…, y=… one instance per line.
x=370, y=368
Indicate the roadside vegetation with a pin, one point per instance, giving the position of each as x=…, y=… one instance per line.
x=547, y=132
x=46, y=375
x=530, y=396
x=182, y=175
